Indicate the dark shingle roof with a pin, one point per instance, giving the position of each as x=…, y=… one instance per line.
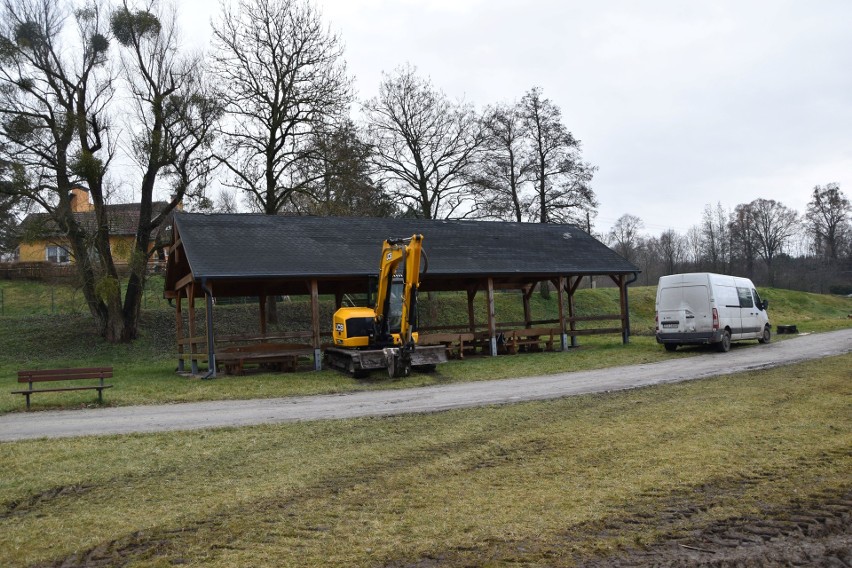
x=123, y=220
x=250, y=246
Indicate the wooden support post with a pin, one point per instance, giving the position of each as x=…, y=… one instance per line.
x=211, y=343
x=492, y=318
x=527, y=294
x=338, y=300
x=563, y=338
x=179, y=332
x=471, y=294
x=572, y=313
x=193, y=347
x=625, y=321
x=262, y=303
x=315, y=325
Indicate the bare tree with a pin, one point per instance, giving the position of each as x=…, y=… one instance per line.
x=694, y=245
x=282, y=77
x=828, y=220
x=624, y=237
x=716, y=238
x=226, y=202
x=172, y=127
x=743, y=248
x=772, y=224
x=54, y=90
x=343, y=183
x=425, y=144
x=505, y=165
x=56, y=99
x=563, y=192
x=671, y=248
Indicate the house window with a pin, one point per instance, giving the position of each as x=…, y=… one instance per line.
x=57, y=254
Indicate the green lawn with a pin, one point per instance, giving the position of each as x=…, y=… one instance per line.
x=145, y=370
x=539, y=484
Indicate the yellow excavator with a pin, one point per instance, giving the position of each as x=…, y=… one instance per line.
x=385, y=336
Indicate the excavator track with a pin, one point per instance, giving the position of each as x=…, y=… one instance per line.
x=360, y=362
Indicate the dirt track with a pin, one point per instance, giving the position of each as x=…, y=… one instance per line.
x=817, y=532
x=191, y=416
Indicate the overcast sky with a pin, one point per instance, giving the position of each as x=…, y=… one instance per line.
x=679, y=103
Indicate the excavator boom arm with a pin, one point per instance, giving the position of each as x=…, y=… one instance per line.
x=399, y=254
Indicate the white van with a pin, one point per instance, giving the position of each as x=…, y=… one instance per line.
x=702, y=307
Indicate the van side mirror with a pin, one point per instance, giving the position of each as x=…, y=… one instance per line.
x=764, y=305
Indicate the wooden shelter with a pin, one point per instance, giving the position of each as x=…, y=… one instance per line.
x=230, y=255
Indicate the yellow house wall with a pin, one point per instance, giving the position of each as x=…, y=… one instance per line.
x=32, y=252
x=36, y=251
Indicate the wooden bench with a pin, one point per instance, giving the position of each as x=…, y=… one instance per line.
x=530, y=339
x=54, y=375
x=453, y=342
x=275, y=356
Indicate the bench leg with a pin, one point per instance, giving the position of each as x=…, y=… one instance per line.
x=28, y=400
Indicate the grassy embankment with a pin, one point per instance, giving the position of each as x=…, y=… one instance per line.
x=545, y=483
x=145, y=369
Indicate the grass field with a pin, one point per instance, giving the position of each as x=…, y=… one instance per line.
x=144, y=370
x=538, y=484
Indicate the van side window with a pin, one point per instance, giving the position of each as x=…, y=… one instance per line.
x=745, y=298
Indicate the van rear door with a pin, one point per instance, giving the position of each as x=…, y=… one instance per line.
x=685, y=309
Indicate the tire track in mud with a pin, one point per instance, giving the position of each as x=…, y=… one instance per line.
x=817, y=529
x=26, y=505
x=817, y=532
x=167, y=543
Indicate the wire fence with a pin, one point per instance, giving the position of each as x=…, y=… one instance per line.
x=20, y=298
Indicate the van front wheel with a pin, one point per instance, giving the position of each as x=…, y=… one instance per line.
x=767, y=335
x=725, y=345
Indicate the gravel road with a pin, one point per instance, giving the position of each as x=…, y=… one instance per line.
x=192, y=416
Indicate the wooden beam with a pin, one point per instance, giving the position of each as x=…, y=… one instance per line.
x=560, y=287
x=574, y=286
x=492, y=318
x=179, y=332
x=571, y=288
x=527, y=294
x=211, y=340
x=622, y=289
x=315, y=324
x=262, y=302
x=185, y=281
x=471, y=319
x=193, y=348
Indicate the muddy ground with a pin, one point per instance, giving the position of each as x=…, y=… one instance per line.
x=814, y=533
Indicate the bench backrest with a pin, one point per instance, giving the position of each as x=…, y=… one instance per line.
x=64, y=374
